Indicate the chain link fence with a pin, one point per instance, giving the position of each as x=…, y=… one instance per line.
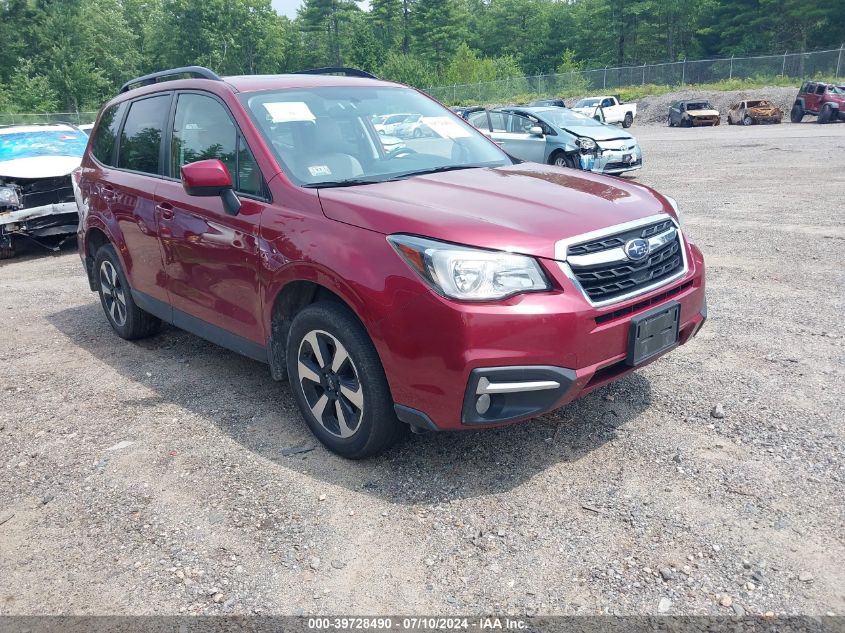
x=75, y=118
x=830, y=63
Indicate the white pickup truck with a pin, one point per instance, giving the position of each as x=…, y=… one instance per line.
x=609, y=108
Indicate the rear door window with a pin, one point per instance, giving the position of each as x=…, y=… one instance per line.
x=104, y=138
x=140, y=141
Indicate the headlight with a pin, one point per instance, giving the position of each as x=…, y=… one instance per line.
x=674, y=204
x=585, y=143
x=9, y=197
x=470, y=274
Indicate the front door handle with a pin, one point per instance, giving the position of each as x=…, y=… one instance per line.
x=165, y=211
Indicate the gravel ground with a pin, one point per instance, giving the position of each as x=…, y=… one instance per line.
x=166, y=476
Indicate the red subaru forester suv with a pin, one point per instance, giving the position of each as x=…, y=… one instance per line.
x=412, y=275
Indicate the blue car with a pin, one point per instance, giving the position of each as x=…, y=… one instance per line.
x=559, y=136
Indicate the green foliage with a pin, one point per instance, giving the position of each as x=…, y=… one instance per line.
x=74, y=54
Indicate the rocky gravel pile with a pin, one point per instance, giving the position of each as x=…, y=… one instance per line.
x=169, y=476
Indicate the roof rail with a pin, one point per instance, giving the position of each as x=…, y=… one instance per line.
x=198, y=72
x=334, y=70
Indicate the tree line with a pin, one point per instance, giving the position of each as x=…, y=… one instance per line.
x=74, y=54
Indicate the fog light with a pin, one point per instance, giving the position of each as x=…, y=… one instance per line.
x=482, y=404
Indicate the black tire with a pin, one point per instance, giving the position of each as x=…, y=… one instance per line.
x=796, y=115
x=669, y=121
x=127, y=320
x=826, y=115
x=7, y=252
x=560, y=159
x=730, y=120
x=356, y=389
x=747, y=120
x=628, y=121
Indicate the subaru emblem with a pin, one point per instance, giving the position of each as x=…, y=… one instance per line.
x=636, y=249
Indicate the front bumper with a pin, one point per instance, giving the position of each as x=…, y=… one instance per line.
x=437, y=351
x=47, y=220
x=618, y=160
x=705, y=120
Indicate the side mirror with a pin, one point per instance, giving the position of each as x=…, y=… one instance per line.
x=535, y=130
x=211, y=178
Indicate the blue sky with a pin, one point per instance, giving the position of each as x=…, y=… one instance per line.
x=289, y=7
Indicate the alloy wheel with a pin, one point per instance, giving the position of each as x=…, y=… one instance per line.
x=114, y=294
x=330, y=383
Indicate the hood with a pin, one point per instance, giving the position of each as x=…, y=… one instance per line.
x=598, y=132
x=39, y=166
x=703, y=112
x=521, y=208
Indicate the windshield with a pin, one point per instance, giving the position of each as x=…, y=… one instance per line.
x=325, y=136
x=587, y=103
x=567, y=118
x=39, y=142
x=699, y=105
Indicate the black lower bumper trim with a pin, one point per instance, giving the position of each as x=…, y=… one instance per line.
x=511, y=393
x=417, y=420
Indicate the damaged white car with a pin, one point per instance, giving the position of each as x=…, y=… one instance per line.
x=37, y=205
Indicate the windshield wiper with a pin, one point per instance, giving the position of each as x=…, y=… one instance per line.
x=437, y=170
x=342, y=183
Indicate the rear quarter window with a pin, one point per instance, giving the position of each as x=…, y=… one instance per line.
x=104, y=138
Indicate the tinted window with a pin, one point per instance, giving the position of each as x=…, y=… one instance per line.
x=140, y=140
x=479, y=120
x=820, y=90
x=203, y=129
x=249, y=176
x=103, y=144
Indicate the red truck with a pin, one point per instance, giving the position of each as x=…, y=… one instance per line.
x=437, y=284
x=826, y=101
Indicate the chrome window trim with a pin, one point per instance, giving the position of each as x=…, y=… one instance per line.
x=562, y=246
x=617, y=255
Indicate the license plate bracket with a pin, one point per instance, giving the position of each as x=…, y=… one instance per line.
x=653, y=333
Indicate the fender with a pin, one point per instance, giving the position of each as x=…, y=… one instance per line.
x=115, y=238
x=800, y=102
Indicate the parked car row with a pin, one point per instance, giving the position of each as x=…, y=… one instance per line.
x=560, y=136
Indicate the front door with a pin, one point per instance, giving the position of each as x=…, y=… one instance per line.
x=211, y=257
x=511, y=132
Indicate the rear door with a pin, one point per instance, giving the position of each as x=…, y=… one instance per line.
x=129, y=195
x=211, y=258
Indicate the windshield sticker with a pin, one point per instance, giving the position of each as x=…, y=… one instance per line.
x=17, y=145
x=320, y=170
x=285, y=111
x=445, y=126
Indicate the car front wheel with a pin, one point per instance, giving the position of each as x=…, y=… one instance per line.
x=338, y=382
x=747, y=120
x=127, y=319
x=797, y=113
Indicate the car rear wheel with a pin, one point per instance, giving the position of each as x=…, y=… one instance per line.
x=747, y=120
x=628, y=121
x=338, y=382
x=669, y=121
x=796, y=114
x=127, y=319
x=7, y=252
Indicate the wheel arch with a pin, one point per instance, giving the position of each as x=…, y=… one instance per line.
x=95, y=238
x=303, y=288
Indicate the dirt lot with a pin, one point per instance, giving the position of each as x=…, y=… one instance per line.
x=157, y=477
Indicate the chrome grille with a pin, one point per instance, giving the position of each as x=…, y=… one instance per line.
x=606, y=274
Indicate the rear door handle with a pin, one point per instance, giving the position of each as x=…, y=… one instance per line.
x=165, y=210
